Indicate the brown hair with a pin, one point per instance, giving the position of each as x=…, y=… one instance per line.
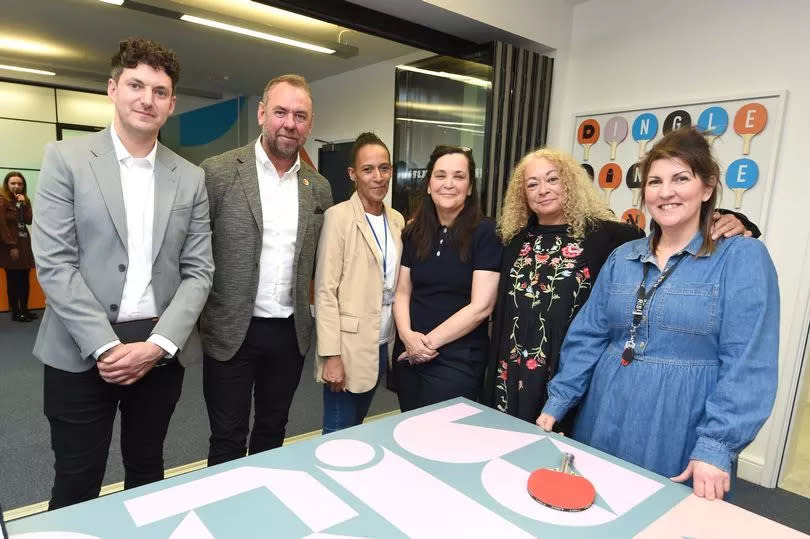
x=290, y=78
x=6, y=192
x=134, y=51
x=423, y=229
x=690, y=146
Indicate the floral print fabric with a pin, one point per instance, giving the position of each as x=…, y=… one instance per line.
x=548, y=283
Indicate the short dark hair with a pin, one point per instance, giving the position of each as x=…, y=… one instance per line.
x=690, y=146
x=424, y=227
x=134, y=51
x=365, y=139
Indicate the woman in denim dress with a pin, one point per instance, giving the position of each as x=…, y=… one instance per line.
x=674, y=356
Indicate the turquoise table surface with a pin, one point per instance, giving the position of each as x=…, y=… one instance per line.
x=455, y=469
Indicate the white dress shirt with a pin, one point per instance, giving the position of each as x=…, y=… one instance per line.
x=279, y=198
x=138, y=188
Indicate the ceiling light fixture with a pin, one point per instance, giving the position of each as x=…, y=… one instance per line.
x=115, y=2
x=254, y=33
x=444, y=74
x=27, y=70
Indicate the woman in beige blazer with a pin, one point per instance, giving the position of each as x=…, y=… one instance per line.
x=355, y=279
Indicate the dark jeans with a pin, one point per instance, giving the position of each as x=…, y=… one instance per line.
x=17, y=286
x=344, y=409
x=455, y=372
x=267, y=367
x=81, y=408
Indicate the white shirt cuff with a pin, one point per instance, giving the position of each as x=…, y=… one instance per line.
x=102, y=349
x=163, y=342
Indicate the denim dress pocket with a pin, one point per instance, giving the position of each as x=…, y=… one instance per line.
x=688, y=308
x=621, y=298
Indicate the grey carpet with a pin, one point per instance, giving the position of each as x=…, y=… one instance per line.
x=26, y=461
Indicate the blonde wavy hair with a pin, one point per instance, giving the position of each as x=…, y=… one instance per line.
x=581, y=205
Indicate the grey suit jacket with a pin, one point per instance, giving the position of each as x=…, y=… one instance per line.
x=80, y=246
x=236, y=220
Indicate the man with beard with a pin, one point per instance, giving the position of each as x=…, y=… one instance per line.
x=266, y=214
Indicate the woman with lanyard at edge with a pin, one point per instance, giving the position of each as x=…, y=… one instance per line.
x=675, y=353
x=355, y=279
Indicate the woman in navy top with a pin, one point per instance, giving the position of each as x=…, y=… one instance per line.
x=674, y=356
x=446, y=287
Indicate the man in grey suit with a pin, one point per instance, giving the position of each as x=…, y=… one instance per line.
x=266, y=214
x=122, y=242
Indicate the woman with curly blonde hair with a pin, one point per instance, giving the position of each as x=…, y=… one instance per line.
x=558, y=234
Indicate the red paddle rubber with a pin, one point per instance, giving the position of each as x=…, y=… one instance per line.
x=561, y=491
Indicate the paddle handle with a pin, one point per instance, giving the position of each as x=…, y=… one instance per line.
x=608, y=191
x=738, y=194
x=642, y=148
x=587, y=151
x=567, y=463
x=636, y=196
x=613, y=146
x=711, y=139
x=747, y=144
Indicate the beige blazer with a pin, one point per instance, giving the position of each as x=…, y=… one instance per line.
x=348, y=292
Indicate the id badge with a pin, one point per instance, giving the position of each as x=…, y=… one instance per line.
x=388, y=296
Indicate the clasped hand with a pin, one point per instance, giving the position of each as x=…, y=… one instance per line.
x=418, y=348
x=125, y=364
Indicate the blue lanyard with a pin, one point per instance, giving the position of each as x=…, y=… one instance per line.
x=385, y=231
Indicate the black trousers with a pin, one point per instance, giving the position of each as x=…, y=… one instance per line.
x=17, y=286
x=81, y=408
x=267, y=367
x=453, y=373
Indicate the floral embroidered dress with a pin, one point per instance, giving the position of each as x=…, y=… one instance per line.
x=547, y=284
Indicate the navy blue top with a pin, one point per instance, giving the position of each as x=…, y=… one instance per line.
x=442, y=283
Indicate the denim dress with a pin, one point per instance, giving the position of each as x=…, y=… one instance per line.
x=704, y=376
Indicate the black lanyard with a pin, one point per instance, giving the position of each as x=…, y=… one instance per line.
x=643, y=296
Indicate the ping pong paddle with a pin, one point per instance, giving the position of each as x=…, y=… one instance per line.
x=615, y=133
x=675, y=120
x=589, y=169
x=561, y=489
x=713, y=122
x=741, y=175
x=750, y=120
x=610, y=177
x=587, y=134
x=645, y=127
x=633, y=181
x=635, y=216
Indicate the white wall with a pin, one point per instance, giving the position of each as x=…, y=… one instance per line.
x=360, y=100
x=645, y=52
x=547, y=22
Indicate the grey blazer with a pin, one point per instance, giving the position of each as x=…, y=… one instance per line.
x=236, y=220
x=80, y=247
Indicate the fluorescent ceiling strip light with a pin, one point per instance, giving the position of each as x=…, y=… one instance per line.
x=454, y=76
x=115, y=2
x=436, y=122
x=27, y=70
x=254, y=33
